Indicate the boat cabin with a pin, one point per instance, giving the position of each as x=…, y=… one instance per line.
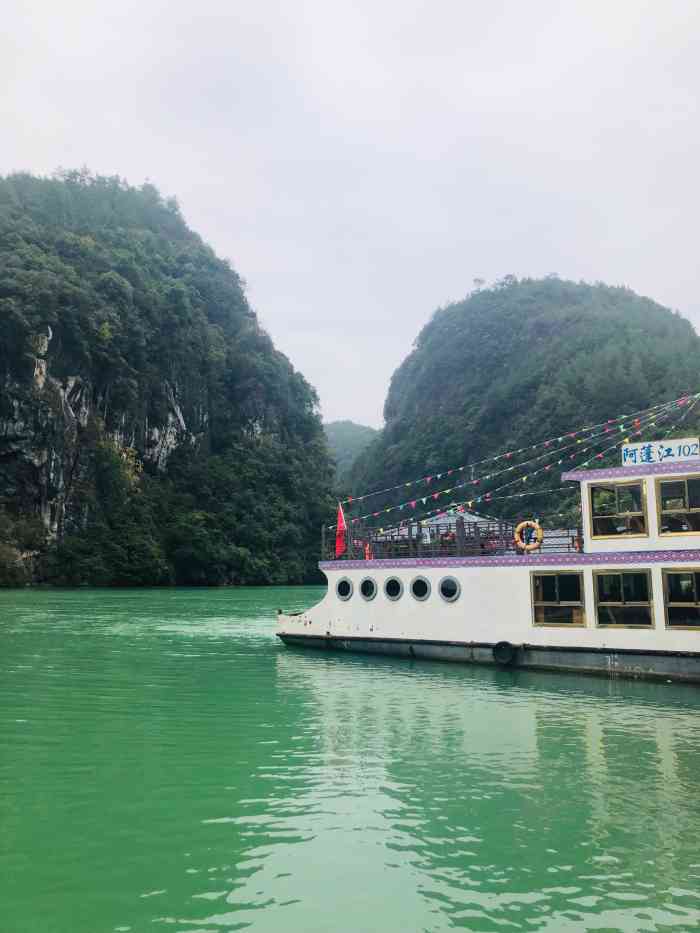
x=640, y=508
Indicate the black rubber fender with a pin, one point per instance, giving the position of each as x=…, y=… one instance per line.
x=504, y=653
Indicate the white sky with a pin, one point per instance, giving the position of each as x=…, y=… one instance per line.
x=361, y=163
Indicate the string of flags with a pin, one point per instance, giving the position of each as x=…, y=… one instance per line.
x=487, y=498
x=657, y=414
x=607, y=427
x=454, y=508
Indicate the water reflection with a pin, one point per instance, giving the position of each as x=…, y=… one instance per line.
x=544, y=802
x=164, y=763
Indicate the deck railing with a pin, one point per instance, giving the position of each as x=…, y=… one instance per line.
x=456, y=538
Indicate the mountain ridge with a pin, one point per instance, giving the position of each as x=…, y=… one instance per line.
x=346, y=440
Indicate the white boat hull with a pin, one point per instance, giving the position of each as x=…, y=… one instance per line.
x=494, y=609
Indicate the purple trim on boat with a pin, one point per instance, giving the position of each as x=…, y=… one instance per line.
x=632, y=472
x=525, y=560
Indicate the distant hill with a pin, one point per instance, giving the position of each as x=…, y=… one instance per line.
x=347, y=440
x=521, y=361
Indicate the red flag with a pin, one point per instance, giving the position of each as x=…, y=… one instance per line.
x=340, y=527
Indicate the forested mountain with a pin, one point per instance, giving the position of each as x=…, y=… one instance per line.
x=347, y=440
x=149, y=430
x=522, y=361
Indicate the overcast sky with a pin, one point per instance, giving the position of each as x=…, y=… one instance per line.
x=360, y=163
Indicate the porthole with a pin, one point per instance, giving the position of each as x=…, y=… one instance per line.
x=393, y=588
x=450, y=589
x=344, y=588
x=420, y=588
x=368, y=588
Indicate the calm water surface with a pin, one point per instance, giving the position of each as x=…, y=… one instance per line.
x=166, y=765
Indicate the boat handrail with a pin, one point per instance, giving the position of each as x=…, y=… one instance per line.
x=450, y=538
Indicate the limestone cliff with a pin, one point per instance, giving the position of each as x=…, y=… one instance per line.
x=121, y=331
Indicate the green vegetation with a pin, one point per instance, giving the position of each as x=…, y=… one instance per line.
x=149, y=430
x=347, y=440
x=522, y=361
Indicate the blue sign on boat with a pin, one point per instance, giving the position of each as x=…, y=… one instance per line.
x=669, y=451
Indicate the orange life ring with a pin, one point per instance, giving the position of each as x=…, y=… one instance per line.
x=533, y=545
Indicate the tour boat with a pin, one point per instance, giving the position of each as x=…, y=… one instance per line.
x=619, y=596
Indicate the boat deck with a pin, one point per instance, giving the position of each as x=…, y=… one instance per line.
x=456, y=538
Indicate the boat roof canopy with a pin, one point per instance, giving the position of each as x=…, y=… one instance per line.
x=633, y=472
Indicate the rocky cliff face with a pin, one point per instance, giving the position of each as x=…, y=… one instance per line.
x=46, y=430
x=121, y=331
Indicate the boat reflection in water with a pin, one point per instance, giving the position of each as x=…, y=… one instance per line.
x=475, y=798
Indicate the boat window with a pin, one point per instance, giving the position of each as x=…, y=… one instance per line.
x=344, y=588
x=420, y=588
x=682, y=598
x=368, y=588
x=679, y=506
x=557, y=599
x=449, y=589
x=393, y=588
x=618, y=509
x=623, y=598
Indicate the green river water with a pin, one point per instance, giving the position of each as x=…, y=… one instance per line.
x=166, y=764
